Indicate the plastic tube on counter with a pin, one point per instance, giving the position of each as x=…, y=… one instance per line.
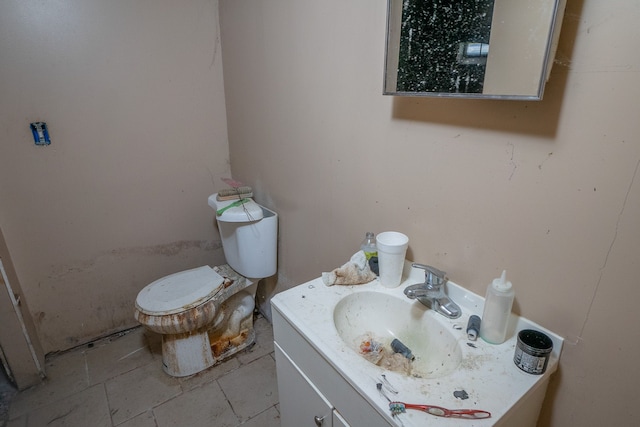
x=398, y=347
x=473, y=327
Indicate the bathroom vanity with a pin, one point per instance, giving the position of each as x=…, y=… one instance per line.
x=324, y=380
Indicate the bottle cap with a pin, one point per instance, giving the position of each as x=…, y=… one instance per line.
x=501, y=284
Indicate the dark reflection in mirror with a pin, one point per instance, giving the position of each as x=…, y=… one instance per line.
x=444, y=45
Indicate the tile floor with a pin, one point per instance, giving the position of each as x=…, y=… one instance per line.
x=118, y=381
x=7, y=391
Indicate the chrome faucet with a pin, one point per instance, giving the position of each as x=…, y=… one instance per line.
x=431, y=293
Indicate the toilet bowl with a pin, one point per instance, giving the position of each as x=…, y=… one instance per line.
x=205, y=314
x=180, y=307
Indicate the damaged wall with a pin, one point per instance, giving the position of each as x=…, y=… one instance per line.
x=548, y=190
x=133, y=96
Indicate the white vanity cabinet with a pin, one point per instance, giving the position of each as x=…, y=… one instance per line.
x=338, y=421
x=324, y=381
x=311, y=392
x=301, y=404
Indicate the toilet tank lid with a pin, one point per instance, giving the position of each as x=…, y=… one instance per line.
x=242, y=212
x=179, y=291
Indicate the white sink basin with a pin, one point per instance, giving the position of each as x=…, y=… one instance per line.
x=385, y=318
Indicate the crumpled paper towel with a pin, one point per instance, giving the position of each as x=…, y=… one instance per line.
x=354, y=272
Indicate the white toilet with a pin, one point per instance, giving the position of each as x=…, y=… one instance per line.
x=206, y=314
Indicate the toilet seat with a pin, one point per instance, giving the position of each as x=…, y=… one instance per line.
x=179, y=292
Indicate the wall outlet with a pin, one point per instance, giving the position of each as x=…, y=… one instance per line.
x=40, y=133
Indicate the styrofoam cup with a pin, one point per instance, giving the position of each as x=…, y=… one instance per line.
x=392, y=249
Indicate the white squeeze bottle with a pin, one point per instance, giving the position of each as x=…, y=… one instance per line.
x=497, y=309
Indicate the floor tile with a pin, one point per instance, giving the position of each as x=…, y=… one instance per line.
x=119, y=382
x=209, y=375
x=66, y=375
x=143, y=420
x=204, y=406
x=118, y=354
x=21, y=421
x=7, y=393
x=136, y=391
x=252, y=388
x=268, y=418
x=154, y=341
x=89, y=406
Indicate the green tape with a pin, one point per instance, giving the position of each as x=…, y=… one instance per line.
x=232, y=205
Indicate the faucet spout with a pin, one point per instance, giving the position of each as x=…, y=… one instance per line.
x=416, y=291
x=447, y=307
x=431, y=293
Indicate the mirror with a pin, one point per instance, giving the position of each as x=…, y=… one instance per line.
x=501, y=49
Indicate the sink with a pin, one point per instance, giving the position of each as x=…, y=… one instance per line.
x=319, y=329
x=385, y=318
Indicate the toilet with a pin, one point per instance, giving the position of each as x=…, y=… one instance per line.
x=205, y=314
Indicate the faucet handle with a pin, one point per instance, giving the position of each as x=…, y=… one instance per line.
x=432, y=276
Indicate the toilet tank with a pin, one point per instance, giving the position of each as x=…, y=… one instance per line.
x=249, y=234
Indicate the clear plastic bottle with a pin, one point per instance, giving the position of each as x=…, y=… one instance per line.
x=368, y=245
x=497, y=310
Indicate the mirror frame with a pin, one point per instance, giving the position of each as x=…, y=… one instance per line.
x=392, y=53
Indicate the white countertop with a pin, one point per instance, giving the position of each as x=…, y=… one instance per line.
x=487, y=372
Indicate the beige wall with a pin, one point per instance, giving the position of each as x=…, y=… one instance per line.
x=548, y=190
x=132, y=92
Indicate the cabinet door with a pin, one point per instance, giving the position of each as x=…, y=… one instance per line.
x=301, y=404
x=338, y=421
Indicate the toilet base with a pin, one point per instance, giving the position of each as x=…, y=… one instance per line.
x=186, y=354
x=224, y=347
x=230, y=330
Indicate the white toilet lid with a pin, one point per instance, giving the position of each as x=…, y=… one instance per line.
x=179, y=291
